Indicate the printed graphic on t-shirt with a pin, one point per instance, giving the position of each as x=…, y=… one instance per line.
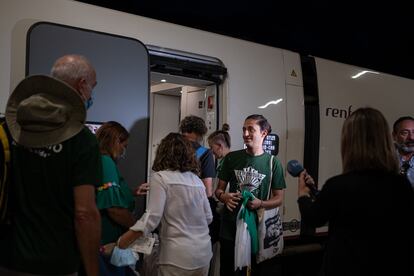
x=249, y=178
x=47, y=151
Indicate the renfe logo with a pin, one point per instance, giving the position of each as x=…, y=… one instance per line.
x=338, y=113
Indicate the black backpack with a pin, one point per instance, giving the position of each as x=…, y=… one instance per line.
x=5, y=162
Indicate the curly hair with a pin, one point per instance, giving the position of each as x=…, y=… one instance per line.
x=175, y=154
x=193, y=124
x=108, y=135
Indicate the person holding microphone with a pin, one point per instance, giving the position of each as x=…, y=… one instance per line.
x=361, y=203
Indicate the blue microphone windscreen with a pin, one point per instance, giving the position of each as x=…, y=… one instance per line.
x=294, y=168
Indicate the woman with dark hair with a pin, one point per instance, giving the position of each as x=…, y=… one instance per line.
x=113, y=197
x=178, y=202
x=364, y=204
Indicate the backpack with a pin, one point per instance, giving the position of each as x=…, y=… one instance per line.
x=200, y=151
x=5, y=158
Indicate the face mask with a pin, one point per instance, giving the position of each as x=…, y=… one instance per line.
x=404, y=148
x=123, y=257
x=123, y=154
x=89, y=102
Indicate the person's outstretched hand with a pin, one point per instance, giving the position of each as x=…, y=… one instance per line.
x=141, y=189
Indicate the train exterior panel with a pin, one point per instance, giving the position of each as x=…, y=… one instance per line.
x=306, y=103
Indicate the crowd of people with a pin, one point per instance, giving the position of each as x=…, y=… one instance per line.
x=70, y=206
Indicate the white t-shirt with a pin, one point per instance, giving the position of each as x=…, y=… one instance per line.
x=179, y=201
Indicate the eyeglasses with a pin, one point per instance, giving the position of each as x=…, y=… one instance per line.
x=406, y=132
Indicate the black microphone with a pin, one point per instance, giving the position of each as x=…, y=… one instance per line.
x=294, y=168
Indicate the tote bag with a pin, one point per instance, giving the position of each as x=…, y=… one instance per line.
x=270, y=230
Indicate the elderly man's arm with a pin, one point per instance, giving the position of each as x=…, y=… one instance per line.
x=87, y=227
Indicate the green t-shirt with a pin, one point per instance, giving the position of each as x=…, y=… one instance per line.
x=113, y=192
x=43, y=239
x=245, y=166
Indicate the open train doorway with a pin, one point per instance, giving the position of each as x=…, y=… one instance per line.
x=174, y=97
x=182, y=84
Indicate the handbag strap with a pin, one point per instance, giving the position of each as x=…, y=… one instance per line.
x=271, y=177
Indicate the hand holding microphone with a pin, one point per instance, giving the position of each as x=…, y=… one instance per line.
x=306, y=182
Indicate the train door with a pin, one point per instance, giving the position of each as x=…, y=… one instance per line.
x=182, y=84
x=122, y=92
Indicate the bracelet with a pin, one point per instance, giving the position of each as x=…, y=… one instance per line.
x=261, y=204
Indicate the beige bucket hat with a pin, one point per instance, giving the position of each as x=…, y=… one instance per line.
x=44, y=111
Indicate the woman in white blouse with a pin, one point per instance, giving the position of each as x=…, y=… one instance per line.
x=178, y=203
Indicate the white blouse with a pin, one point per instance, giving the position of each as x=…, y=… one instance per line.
x=179, y=201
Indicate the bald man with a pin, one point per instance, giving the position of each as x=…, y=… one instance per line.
x=79, y=73
x=55, y=221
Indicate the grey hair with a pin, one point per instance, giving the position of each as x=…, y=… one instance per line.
x=71, y=68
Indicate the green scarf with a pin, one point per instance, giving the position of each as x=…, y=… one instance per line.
x=250, y=218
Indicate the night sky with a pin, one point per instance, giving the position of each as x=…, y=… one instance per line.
x=373, y=35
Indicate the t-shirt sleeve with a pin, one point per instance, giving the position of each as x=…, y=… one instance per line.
x=208, y=168
x=109, y=193
x=225, y=172
x=87, y=166
x=278, y=178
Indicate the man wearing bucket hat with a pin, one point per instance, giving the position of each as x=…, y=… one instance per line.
x=56, y=166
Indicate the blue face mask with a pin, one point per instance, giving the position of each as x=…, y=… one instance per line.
x=89, y=102
x=123, y=257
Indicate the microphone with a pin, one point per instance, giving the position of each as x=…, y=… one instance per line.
x=294, y=168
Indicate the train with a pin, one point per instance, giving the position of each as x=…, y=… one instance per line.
x=151, y=74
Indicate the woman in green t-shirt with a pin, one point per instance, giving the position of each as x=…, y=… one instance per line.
x=114, y=198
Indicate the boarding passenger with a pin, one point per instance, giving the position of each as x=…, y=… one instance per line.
x=403, y=133
x=253, y=158
x=114, y=198
x=362, y=203
x=56, y=166
x=178, y=203
x=219, y=142
x=193, y=129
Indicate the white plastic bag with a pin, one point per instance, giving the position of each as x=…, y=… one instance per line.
x=150, y=262
x=242, y=247
x=143, y=245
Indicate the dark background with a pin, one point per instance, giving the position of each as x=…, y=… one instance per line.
x=374, y=35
